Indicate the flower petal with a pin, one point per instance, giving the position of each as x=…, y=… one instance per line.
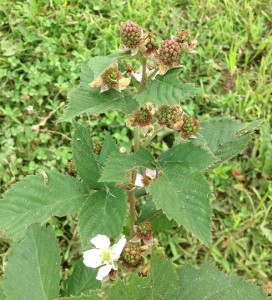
x=92, y=258
x=101, y=241
x=150, y=173
x=103, y=272
x=138, y=181
x=118, y=248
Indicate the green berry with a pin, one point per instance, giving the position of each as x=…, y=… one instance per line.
x=131, y=255
x=168, y=115
x=189, y=127
x=143, y=117
x=170, y=52
x=96, y=146
x=131, y=34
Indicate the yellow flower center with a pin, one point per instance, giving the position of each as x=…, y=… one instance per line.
x=105, y=255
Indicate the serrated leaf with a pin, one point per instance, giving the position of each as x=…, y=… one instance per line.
x=225, y=137
x=85, y=161
x=181, y=192
x=138, y=288
x=209, y=283
x=33, y=269
x=33, y=200
x=164, y=284
x=118, y=164
x=108, y=148
x=167, y=89
x=103, y=213
x=82, y=280
x=87, y=100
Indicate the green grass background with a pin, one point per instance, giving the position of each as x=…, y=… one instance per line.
x=42, y=44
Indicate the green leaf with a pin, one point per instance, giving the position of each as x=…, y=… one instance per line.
x=33, y=269
x=157, y=218
x=167, y=89
x=138, y=288
x=99, y=64
x=225, y=137
x=2, y=295
x=82, y=280
x=33, y=200
x=87, y=100
x=181, y=192
x=186, y=283
x=108, y=148
x=163, y=279
x=103, y=213
x=209, y=283
x=85, y=161
x=118, y=164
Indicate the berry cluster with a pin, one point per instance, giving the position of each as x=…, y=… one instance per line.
x=111, y=77
x=143, y=117
x=168, y=115
x=131, y=34
x=150, y=44
x=190, y=127
x=145, y=231
x=96, y=146
x=170, y=52
x=131, y=255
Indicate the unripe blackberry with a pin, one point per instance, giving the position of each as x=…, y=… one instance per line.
x=142, y=117
x=131, y=255
x=170, y=52
x=168, y=115
x=190, y=127
x=111, y=77
x=131, y=34
x=150, y=44
x=145, y=231
x=96, y=146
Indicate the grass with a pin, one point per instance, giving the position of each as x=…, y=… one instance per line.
x=42, y=46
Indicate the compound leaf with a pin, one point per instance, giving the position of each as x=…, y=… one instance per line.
x=181, y=192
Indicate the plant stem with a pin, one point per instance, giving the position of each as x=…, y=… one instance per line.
x=131, y=192
x=143, y=82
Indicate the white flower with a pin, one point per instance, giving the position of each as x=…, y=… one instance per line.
x=143, y=180
x=104, y=255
